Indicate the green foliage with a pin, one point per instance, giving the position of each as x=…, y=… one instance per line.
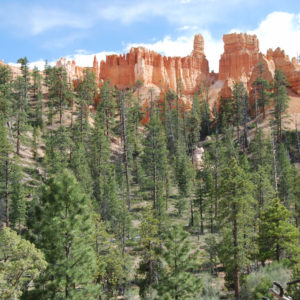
x=20, y=263
x=66, y=231
x=107, y=106
x=261, y=90
x=5, y=91
x=155, y=158
x=18, y=201
x=257, y=284
x=58, y=91
x=149, y=266
x=177, y=280
x=278, y=238
x=236, y=222
x=281, y=99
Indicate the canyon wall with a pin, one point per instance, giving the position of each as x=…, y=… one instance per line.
x=238, y=63
x=241, y=54
x=152, y=68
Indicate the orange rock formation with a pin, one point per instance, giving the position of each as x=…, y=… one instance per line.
x=241, y=54
x=74, y=72
x=153, y=68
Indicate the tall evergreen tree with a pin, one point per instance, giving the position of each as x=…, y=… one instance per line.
x=87, y=90
x=5, y=172
x=149, y=266
x=280, y=101
x=5, y=91
x=177, y=280
x=18, y=201
x=261, y=90
x=278, y=238
x=66, y=231
x=58, y=90
x=107, y=106
x=235, y=218
x=155, y=157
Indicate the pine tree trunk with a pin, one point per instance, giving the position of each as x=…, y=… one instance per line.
x=125, y=152
x=192, y=213
x=201, y=216
x=6, y=195
x=256, y=111
x=18, y=136
x=274, y=164
x=60, y=109
x=216, y=175
x=236, y=267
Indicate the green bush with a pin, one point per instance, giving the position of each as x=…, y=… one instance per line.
x=257, y=284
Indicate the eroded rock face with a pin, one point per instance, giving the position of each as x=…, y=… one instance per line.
x=153, y=68
x=290, y=68
x=74, y=72
x=241, y=54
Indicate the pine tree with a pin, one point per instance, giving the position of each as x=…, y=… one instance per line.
x=20, y=263
x=185, y=175
x=238, y=95
x=204, y=113
x=177, y=280
x=280, y=100
x=285, y=176
x=194, y=125
x=278, y=238
x=107, y=106
x=5, y=91
x=112, y=266
x=235, y=220
x=57, y=150
x=66, y=231
x=38, y=97
x=20, y=105
x=155, y=157
x=18, y=201
x=87, y=90
x=124, y=139
x=99, y=155
x=58, y=91
x=261, y=90
x=5, y=172
x=149, y=265
x=170, y=116
x=134, y=139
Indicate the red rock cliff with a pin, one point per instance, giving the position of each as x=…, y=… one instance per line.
x=153, y=68
x=241, y=54
x=290, y=68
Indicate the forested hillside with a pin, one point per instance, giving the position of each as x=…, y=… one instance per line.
x=104, y=194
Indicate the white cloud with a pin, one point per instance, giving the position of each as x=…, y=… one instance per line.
x=186, y=27
x=279, y=29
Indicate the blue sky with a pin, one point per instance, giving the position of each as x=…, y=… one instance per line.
x=47, y=29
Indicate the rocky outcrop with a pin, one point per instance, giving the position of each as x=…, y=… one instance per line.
x=95, y=68
x=185, y=73
x=290, y=68
x=241, y=54
x=74, y=72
